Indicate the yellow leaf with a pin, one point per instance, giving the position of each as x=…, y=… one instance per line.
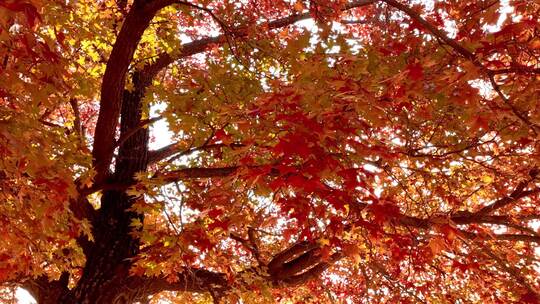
x=487, y=179
x=87, y=180
x=324, y=242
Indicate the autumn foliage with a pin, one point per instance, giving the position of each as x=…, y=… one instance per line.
x=284, y=151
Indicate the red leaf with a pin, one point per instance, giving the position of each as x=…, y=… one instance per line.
x=29, y=10
x=529, y=298
x=416, y=72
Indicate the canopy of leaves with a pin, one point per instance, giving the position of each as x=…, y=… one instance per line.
x=356, y=151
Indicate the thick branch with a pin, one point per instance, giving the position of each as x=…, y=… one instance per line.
x=466, y=218
x=112, y=87
x=299, y=248
x=198, y=46
x=498, y=204
x=301, y=269
x=172, y=176
x=313, y=272
x=299, y=264
x=189, y=279
x=137, y=20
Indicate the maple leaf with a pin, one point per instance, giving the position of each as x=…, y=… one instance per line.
x=415, y=71
x=27, y=8
x=437, y=245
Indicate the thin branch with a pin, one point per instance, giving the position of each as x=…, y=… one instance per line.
x=517, y=194
x=142, y=124
x=77, y=122
x=466, y=54
x=201, y=45
x=438, y=33
x=53, y=125
x=502, y=237
x=515, y=273
x=172, y=149
x=189, y=173
x=249, y=243
x=491, y=219
x=516, y=70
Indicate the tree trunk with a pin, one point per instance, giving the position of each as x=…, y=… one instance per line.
x=105, y=277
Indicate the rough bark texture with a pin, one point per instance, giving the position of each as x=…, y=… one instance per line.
x=112, y=88
x=105, y=278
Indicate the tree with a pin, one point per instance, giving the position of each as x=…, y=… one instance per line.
x=382, y=151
